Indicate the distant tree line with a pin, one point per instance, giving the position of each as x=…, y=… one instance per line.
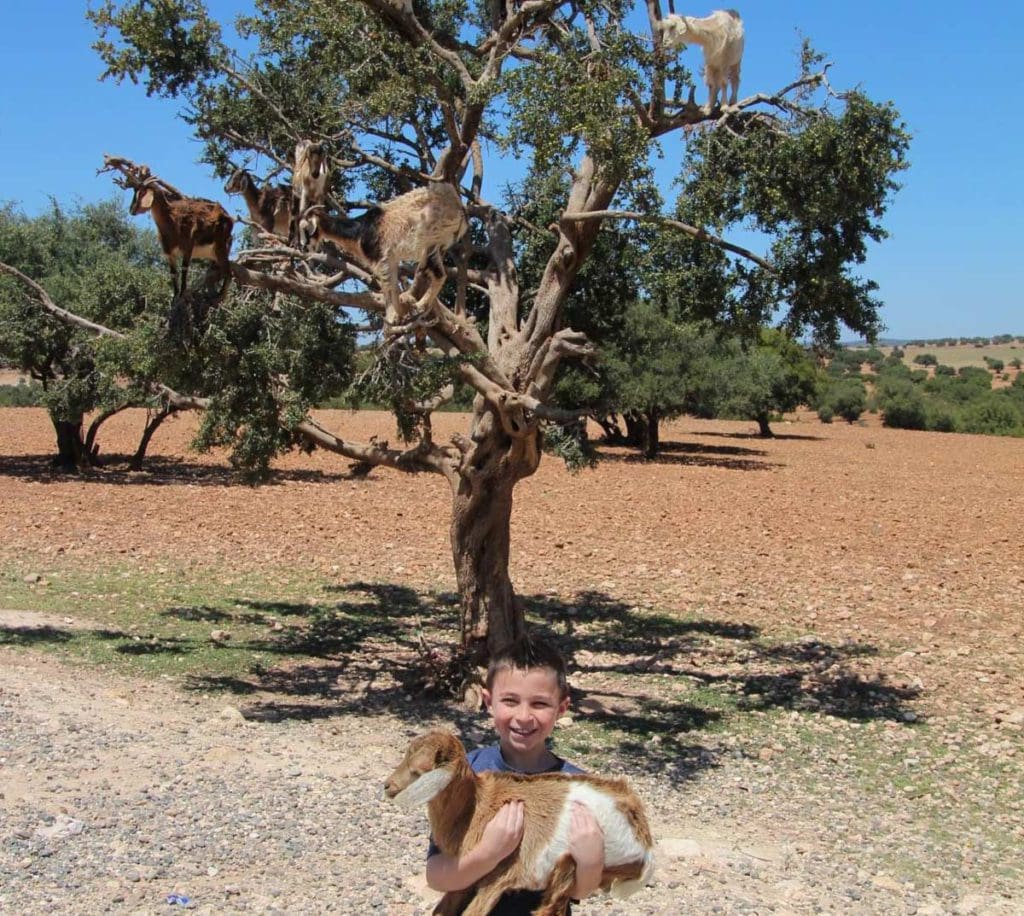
x=945, y=400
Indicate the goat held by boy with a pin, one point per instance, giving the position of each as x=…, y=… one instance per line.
x=460, y=803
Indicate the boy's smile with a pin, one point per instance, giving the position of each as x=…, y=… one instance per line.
x=525, y=706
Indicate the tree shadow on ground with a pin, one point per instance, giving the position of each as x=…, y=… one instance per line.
x=783, y=437
x=651, y=683
x=694, y=455
x=156, y=471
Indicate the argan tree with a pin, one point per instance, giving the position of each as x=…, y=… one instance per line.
x=584, y=96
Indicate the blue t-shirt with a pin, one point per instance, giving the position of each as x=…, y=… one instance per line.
x=486, y=759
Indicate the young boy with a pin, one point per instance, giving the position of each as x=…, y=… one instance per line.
x=526, y=693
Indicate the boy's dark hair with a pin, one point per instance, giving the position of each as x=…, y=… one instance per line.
x=524, y=654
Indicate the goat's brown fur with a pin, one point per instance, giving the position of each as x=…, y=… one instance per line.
x=187, y=227
x=269, y=206
x=461, y=810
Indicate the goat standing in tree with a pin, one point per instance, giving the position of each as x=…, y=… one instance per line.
x=309, y=184
x=721, y=37
x=416, y=226
x=269, y=206
x=188, y=227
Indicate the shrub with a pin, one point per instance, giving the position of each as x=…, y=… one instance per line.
x=825, y=413
x=942, y=369
x=21, y=395
x=902, y=406
x=1015, y=363
x=993, y=415
x=926, y=359
x=846, y=399
x=996, y=365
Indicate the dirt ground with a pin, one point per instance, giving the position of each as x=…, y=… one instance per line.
x=911, y=543
x=915, y=539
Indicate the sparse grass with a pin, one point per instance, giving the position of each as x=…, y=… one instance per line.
x=963, y=355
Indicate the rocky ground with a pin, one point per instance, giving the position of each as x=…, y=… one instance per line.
x=856, y=592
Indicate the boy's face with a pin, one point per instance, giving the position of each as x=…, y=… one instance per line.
x=525, y=706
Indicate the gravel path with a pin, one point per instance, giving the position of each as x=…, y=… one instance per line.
x=116, y=793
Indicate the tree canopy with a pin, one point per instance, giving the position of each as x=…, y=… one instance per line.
x=583, y=97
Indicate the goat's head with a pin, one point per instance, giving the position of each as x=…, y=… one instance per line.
x=237, y=183
x=309, y=224
x=674, y=31
x=142, y=199
x=426, y=769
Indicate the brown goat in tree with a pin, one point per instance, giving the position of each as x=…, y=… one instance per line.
x=188, y=227
x=269, y=206
x=417, y=226
x=460, y=804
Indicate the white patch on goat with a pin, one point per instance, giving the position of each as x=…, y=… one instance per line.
x=424, y=789
x=621, y=845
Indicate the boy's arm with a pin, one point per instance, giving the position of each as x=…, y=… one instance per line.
x=586, y=846
x=500, y=838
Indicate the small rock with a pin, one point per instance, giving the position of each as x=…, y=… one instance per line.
x=219, y=636
x=565, y=722
x=33, y=578
x=62, y=828
x=232, y=714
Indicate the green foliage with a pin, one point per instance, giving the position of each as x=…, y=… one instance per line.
x=926, y=359
x=21, y=395
x=95, y=262
x=771, y=377
x=571, y=444
x=845, y=398
x=266, y=366
x=902, y=404
x=996, y=365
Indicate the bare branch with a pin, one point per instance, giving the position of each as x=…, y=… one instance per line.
x=695, y=232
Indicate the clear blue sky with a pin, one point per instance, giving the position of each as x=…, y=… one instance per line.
x=953, y=264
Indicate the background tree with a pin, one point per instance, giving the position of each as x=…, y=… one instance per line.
x=102, y=268
x=582, y=93
x=773, y=376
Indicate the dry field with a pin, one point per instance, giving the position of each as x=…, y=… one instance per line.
x=815, y=639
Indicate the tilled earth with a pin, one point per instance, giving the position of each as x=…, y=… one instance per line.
x=876, y=770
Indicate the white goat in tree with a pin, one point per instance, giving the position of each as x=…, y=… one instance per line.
x=417, y=226
x=721, y=37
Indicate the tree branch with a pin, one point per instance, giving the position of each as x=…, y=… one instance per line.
x=695, y=232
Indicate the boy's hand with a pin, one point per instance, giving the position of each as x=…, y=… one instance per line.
x=586, y=846
x=503, y=832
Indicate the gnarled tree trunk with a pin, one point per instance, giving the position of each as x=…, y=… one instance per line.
x=72, y=454
x=490, y=616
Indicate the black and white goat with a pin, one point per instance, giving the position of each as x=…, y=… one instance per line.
x=417, y=226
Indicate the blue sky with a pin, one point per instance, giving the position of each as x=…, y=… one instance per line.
x=952, y=266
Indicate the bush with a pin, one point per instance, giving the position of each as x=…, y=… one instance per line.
x=1015, y=363
x=845, y=398
x=21, y=395
x=825, y=413
x=996, y=365
x=993, y=415
x=942, y=369
x=902, y=406
x=926, y=359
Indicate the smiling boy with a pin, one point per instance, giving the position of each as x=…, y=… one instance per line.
x=526, y=694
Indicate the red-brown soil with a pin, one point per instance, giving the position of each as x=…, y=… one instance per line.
x=910, y=541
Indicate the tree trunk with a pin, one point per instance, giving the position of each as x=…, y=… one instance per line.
x=71, y=452
x=651, y=440
x=634, y=428
x=611, y=429
x=763, y=427
x=151, y=427
x=91, y=448
x=490, y=616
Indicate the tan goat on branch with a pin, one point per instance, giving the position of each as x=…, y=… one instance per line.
x=309, y=183
x=721, y=37
x=417, y=226
x=269, y=206
x=460, y=804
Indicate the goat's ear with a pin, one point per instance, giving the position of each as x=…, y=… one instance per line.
x=146, y=199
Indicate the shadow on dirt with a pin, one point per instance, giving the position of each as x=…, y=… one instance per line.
x=649, y=685
x=693, y=454
x=157, y=471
